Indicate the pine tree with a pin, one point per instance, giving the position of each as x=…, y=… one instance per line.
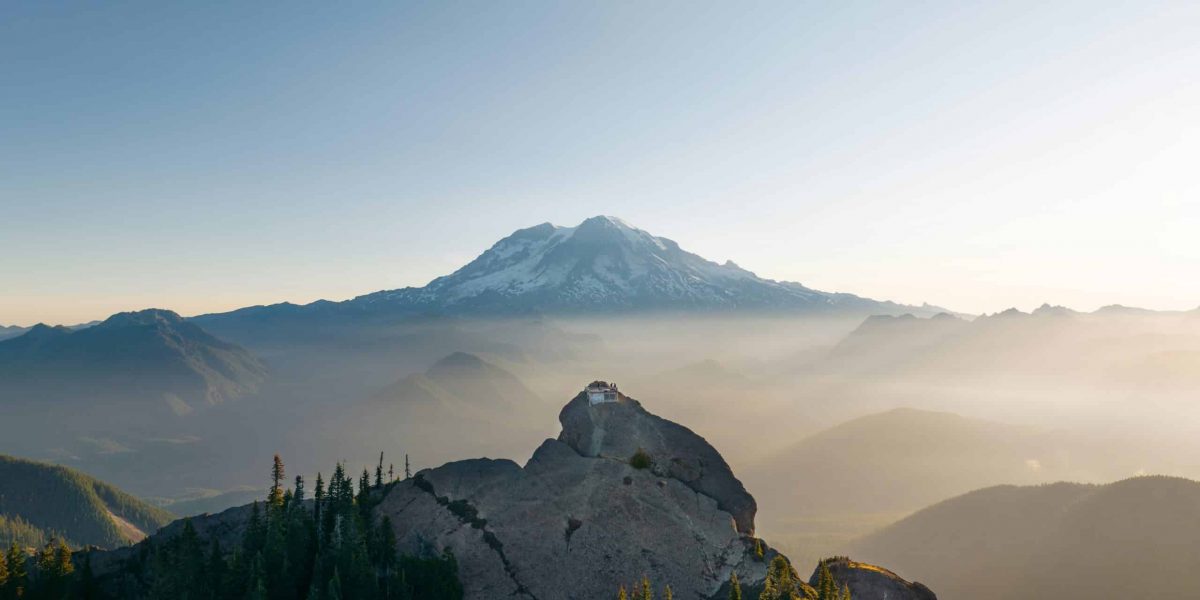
x=318, y=501
x=826, y=586
x=3, y=575
x=845, y=592
x=621, y=594
x=54, y=570
x=257, y=590
x=647, y=592
x=256, y=532
x=781, y=581
x=407, y=471
x=668, y=594
x=275, y=498
x=216, y=569
x=735, y=587
x=391, y=472
x=87, y=589
x=379, y=472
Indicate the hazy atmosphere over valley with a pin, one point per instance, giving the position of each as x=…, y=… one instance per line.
x=603, y=300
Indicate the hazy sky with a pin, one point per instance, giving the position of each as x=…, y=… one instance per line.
x=204, y=156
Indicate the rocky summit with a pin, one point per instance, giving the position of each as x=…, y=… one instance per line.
x=578, y=519
x=870, y=581
x=621, y=494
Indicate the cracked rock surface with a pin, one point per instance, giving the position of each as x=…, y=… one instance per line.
x=574, y=524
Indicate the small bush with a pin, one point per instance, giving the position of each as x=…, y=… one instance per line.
x=640, y=460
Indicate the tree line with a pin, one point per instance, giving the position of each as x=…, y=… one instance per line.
x=329, y=547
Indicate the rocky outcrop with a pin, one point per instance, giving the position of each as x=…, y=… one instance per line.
x=619, y=429
x=578, y=519
x=569, y=526
x=870, y=581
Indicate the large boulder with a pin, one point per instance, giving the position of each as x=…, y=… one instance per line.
x=617, y=430
x=870, y=581
x=569, y=526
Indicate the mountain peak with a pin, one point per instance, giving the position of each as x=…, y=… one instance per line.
x=605, y=221
x=606, y=265
x=149, y=316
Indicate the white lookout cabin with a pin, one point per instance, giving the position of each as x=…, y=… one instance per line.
x=600, y=392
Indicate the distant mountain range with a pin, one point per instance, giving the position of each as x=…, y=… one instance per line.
x=898, y=461
x=1110, y=346
x=39, y=501
x=1131, y=539
x=137, y=356
x=461, y=383
x=12, y=331
x=602, y=265
x=462, y=403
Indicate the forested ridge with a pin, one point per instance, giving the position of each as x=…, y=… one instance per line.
x=40, y=501
x=293, y=547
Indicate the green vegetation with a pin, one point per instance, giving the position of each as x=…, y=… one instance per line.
x=53, y=577
x=827, y=588
x=15, y=530
x=40, y=501
x=782, y=582
x=328, y=548
x=640, y=460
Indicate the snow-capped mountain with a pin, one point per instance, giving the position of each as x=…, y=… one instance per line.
x=606, y=265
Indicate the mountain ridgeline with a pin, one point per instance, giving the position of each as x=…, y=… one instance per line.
x=1135, y=538
x=152, y=358
x=40, y=501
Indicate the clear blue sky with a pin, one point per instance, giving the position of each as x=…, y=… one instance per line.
x=204, y=156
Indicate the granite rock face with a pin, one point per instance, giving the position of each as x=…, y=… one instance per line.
x=872, y=582
x=617, y=430
x=569, y=526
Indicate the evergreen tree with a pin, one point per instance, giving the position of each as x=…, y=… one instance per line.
x=379, y=472
x=86, y=587
x=256, y=532
x=391, y=472
x=54, y=570
x=283, y=555
x=646, y=592
x=826, y=586
x=668, y=594
x=781, y=582
x=275, y=497
x=318, y=501
x=364, y=484
x=735, y=587
x=407, y=471
x=188, y=562
x=217, y=569
x=3, y=575
x=257, y=590
x=845, y=592
x=621, y=594
x=385, y=554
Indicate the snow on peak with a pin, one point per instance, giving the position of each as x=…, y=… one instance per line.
x=605, y=264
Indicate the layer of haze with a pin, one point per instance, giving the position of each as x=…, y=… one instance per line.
x=202, y=157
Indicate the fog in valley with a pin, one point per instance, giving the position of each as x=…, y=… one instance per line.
x=839, y=426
